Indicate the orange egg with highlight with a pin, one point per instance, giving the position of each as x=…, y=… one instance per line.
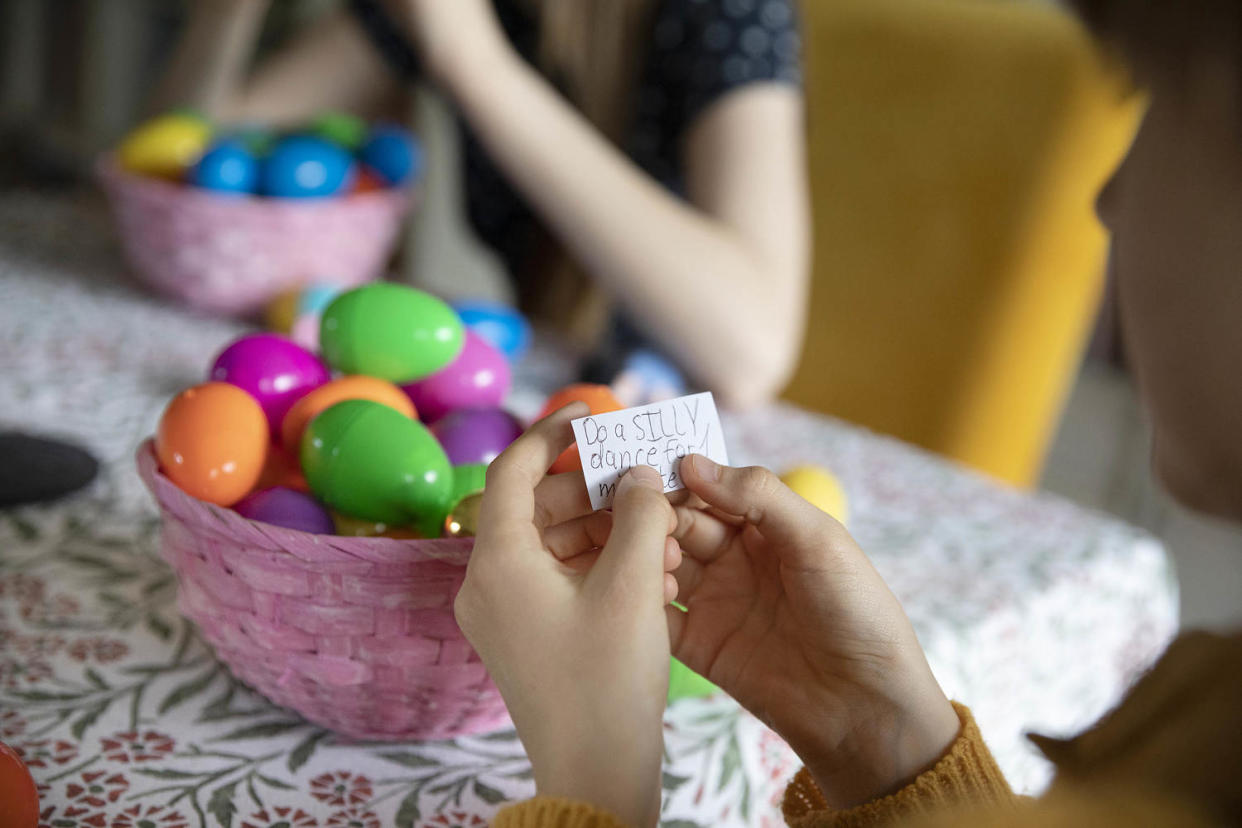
x=599, y=398
x=212, y=442
x=357, y=387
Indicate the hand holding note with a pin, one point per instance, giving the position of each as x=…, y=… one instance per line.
x=657, y=435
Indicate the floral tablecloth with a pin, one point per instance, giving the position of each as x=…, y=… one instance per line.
x=1033, y=611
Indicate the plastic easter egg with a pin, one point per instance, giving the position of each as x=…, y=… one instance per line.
x=275, y=370
x=501, y=325
x=227, y=167
x=282, y=469
x=684, y=683
x=257, y=139
x=476, y=435
x=462, y=520
x=19, y=793
x=285, y=507
x=281, y=311
x=165, y=146
x=316, y=297
x=369, y=461
x=355, y=528
x=341, y=128
x=368, y=182
x=468, y=479
x=820, y=488
x=647, y=377
x=390, y=331
x=303, y=166
x=478, y=378
x=392, y=153
x=325, y=396
x=212, y=442
x=599, y=398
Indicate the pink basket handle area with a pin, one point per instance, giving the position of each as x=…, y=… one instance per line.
x=311, y=549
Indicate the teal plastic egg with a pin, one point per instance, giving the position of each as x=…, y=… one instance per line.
x=370, y=461
x=390, y=331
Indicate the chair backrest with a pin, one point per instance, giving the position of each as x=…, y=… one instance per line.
x=955, y=151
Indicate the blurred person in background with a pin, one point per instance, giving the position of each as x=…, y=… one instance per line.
x=785, y=612
x=637, y=164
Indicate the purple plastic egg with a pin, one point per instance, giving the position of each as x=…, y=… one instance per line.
x=273, y=369
x=288, y=508
x=476, y=435
x=478, y=378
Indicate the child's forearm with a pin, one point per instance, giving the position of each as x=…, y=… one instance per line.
x=211, y=56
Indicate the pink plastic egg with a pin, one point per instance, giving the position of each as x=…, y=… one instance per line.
x=274, y=370
x=478, y=378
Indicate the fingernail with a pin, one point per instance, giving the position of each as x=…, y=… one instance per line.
x=705, y=468
x=642, y=476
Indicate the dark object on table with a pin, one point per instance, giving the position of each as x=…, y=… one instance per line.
x=33, y=469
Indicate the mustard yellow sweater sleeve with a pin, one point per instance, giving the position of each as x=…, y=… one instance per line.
x=966, y=774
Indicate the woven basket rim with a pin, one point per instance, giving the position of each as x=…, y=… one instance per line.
x=110, y=173
x=305, y=547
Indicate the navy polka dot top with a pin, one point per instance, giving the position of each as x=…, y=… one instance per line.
x=700, y=50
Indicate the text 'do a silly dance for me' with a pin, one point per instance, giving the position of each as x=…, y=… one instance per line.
x=657, y=435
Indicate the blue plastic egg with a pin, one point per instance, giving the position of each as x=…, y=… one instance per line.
x=315, y=297
x=227, y=167
x=392, y=153
x=499, y=325
x=303, y=166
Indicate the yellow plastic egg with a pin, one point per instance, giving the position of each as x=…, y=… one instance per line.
x=282, y=310
x=820, y=488
x=165, y=146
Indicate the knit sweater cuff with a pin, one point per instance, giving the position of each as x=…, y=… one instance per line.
x=966, y=774
x=543, y=811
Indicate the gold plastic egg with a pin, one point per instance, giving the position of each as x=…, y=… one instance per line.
x=463, y=519
x=820, y=488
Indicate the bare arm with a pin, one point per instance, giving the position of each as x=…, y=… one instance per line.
x=719, y=281
x=328, y=65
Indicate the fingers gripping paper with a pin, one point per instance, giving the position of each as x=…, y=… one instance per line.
x=656, y=435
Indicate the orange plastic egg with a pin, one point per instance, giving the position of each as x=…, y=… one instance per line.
x=212, y=442
x=599, y=398
x=357, y=387
x=282, y=469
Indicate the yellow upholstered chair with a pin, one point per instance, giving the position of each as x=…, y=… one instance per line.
x=956, y=147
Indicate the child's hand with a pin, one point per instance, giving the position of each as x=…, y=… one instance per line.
x=576, y=640
x=787, y=614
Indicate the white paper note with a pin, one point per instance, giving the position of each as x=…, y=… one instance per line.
x=656, y=435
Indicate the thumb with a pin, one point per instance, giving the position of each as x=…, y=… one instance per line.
x=759, y=497
x=633, y=556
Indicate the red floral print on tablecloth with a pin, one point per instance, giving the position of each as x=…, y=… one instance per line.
x=44, y=753
x=281, y=816
x=72, y=816
x=454, y=819
x=12, y=725
x=353, y=818
x=149, y=816
x=51, y=612
x=22, y=588
x=38, y=646
x=96, y=788
x=99, y=649
x=14, y=673
x=341, y=788
x=135, y=746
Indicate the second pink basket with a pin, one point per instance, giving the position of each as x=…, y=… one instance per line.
x=233, y=254
x=356, y=634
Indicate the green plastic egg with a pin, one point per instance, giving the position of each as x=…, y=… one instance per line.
x=390, y=331
x=369, y=461
x=349, y=131
x=468, y=479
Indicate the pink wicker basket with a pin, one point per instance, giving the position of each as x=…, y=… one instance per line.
x=233, y=254
x=356, y=634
